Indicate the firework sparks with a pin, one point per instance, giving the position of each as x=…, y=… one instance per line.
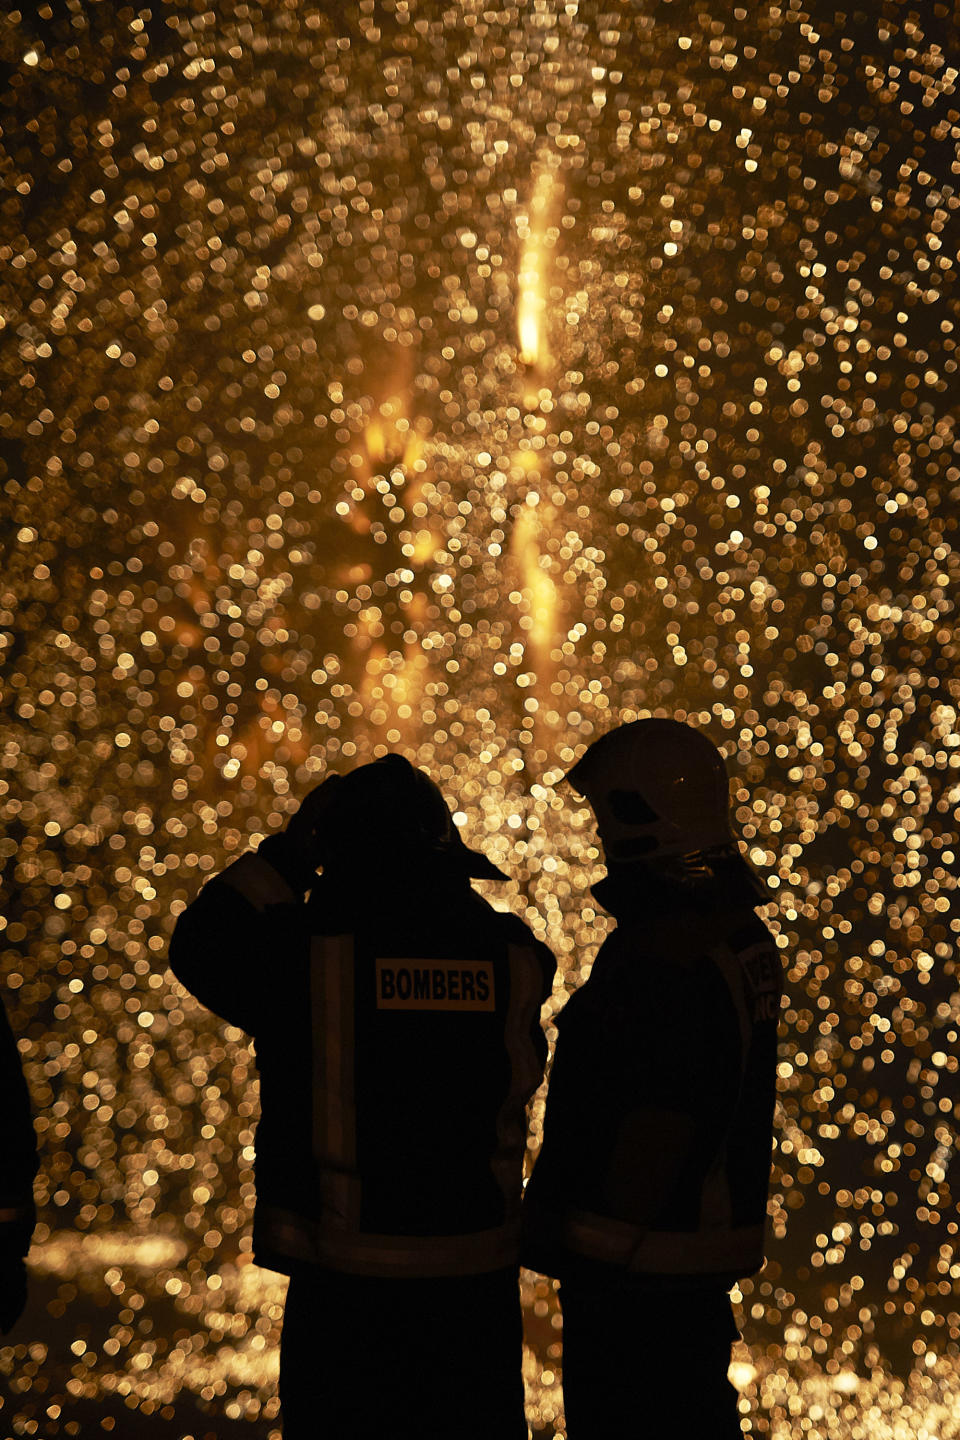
x=463, y=381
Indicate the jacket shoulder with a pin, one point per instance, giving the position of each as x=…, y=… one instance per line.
x=509, y=930
x=517, y=932
x=752, y=932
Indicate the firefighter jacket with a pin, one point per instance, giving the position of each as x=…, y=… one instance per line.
x=397, y=1034
x=656, y=1153
x=18, y=1148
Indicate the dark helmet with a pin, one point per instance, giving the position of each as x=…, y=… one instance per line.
x=660, y=792
x=658, y=789
x=391, y=806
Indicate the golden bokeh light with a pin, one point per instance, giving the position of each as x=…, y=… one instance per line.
x=464, y=380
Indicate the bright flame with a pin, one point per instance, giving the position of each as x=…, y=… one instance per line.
x=425, y=546
x=529, y=324
x=530, y=279
x=376, y=440
x=532, y=302
x=543, y=605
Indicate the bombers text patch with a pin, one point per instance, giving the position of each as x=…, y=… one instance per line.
x=435, y=985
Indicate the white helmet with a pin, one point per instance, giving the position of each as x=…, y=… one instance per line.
x=659, y=790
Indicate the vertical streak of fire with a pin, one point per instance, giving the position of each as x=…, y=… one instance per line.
x=534, y=517
x=531, y=283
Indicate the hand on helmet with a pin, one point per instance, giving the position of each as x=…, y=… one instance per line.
x=307, y=825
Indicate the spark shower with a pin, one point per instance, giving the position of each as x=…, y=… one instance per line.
x=463, y=380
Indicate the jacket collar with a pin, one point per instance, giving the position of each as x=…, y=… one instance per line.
x=659, y=919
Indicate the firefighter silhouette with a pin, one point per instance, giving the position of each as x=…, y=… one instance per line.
x=396, y=1021
x=17, y=1214
x=648, y=1200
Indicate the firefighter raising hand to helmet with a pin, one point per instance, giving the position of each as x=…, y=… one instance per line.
x=649, y=1197
x=396, y=1021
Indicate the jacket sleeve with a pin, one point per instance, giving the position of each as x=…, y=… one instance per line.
x=540, y=983
x=231, y=944
x=548, y=969
x=18, y=1148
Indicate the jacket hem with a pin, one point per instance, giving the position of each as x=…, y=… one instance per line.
x=583, y=1235
x=295, y=1241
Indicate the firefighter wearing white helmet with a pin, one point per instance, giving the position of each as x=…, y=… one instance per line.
x=396, y=1020
x=648, y=1200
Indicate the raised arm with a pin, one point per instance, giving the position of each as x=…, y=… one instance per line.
x=230, y=944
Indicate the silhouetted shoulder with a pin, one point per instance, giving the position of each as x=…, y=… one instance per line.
x=517, y=932
x=753, y=931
